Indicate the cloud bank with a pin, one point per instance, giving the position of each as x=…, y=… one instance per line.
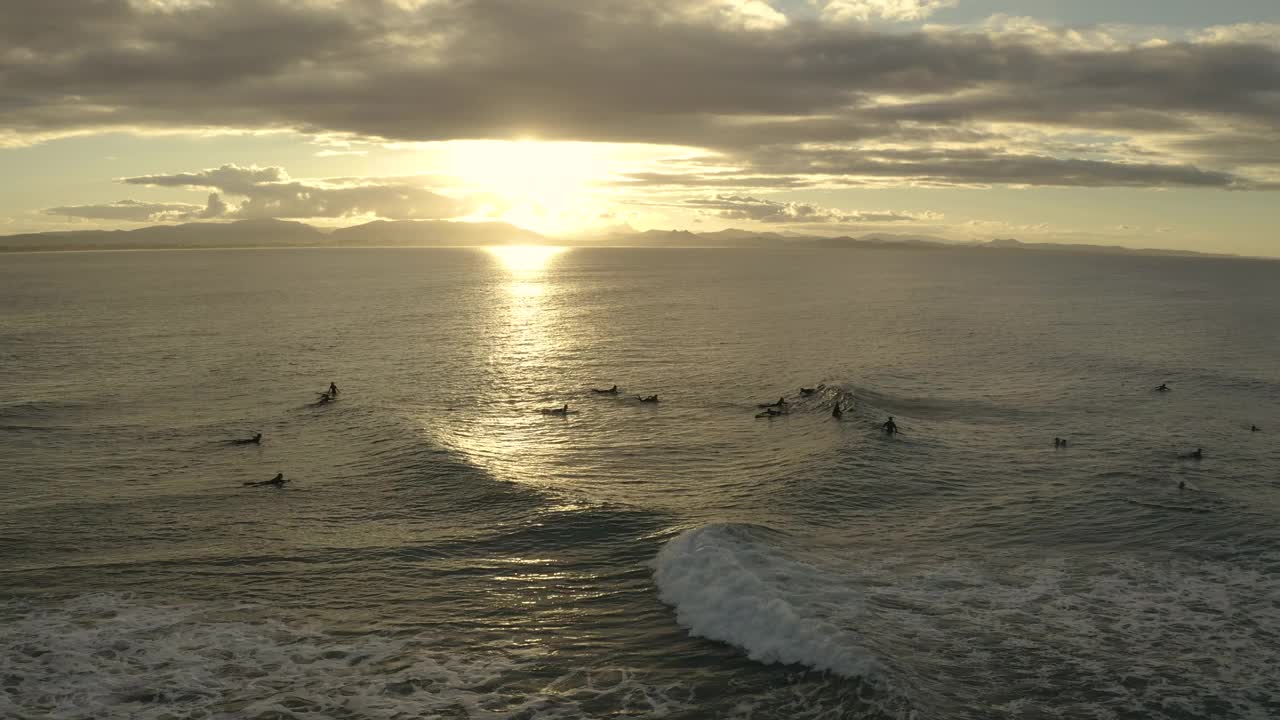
x=744, y=207
x=269, y=192
x=736, y=77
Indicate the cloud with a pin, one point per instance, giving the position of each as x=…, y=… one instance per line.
x=215, y=207
x=744, y=207
x=895, y=10
x=742, y=14
x=1259, y=33
x=269, y=192
x=831, y=167
x=979, y=166
x=129, y=211
x=227, y=178
x=732, y=76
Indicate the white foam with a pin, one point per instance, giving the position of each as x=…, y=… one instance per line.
x=726, y=584
x=1070, y=636
x=1091, y=638
x=111, y=656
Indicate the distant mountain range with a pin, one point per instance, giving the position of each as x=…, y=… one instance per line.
x=441, y=233
x=276, y=233
x=1011, y=244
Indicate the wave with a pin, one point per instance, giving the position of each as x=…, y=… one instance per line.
x=109, y=656
x=937, y=408
x=727, y=583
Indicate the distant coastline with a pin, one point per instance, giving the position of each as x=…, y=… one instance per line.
x=247, y=234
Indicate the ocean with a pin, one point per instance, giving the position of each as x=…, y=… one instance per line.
x=444, y=549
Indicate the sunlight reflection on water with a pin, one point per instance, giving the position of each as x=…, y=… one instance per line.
x=508, y=436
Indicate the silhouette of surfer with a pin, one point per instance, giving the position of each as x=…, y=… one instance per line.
x=333, y=389
x=1163, y=387
x=1254, y=428
x=255, y=440
x=557, y=411
x=836, y=412
x=1196, y=455
x=890, y=426
x=277, y=481
x=770, y=413
x=611, y=391
x=648, y=398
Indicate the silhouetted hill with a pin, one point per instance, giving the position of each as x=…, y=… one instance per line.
x=242, y=233
x=1012, y=244
x=441, y=233
x=733, y=237
x=434, y=233
x=274, y=233
x=685, y=238
x=877, y=239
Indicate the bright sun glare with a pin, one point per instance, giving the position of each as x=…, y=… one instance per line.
x=543, y=186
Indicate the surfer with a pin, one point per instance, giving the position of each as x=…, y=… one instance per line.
x=1057, y=442
x=890, y=426
x=836, y=412
x=255, y=440
x=648, y=398
x=808, y=391
x=333, y=389
x=277, y=481
x=557, y=411
x=1182, y=485
x=782, y=403
x=1254, y=428
x=770, y=412
x=1198, y=454
x=611, y=391
x=1163, y=387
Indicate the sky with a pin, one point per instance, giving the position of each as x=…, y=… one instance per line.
x=1145, y=123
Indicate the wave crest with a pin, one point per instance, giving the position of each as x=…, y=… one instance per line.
x=727, y=583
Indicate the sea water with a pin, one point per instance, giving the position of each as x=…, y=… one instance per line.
x=444, y=549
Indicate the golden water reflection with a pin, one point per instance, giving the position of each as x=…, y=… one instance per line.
x=504, y=432
x=527, y=265
x=525, y=261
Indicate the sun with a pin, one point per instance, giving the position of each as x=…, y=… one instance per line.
x=550, y=187
x=547, y=187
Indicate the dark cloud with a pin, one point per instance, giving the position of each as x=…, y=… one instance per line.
x=791, y=167
x=713, y=180
x=744, y=207
x=662, y=71
x=270, y=193
x=982, y=167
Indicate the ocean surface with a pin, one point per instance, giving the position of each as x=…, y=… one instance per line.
x=445, y=550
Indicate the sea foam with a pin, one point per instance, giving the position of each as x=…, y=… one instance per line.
x=112, y=656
